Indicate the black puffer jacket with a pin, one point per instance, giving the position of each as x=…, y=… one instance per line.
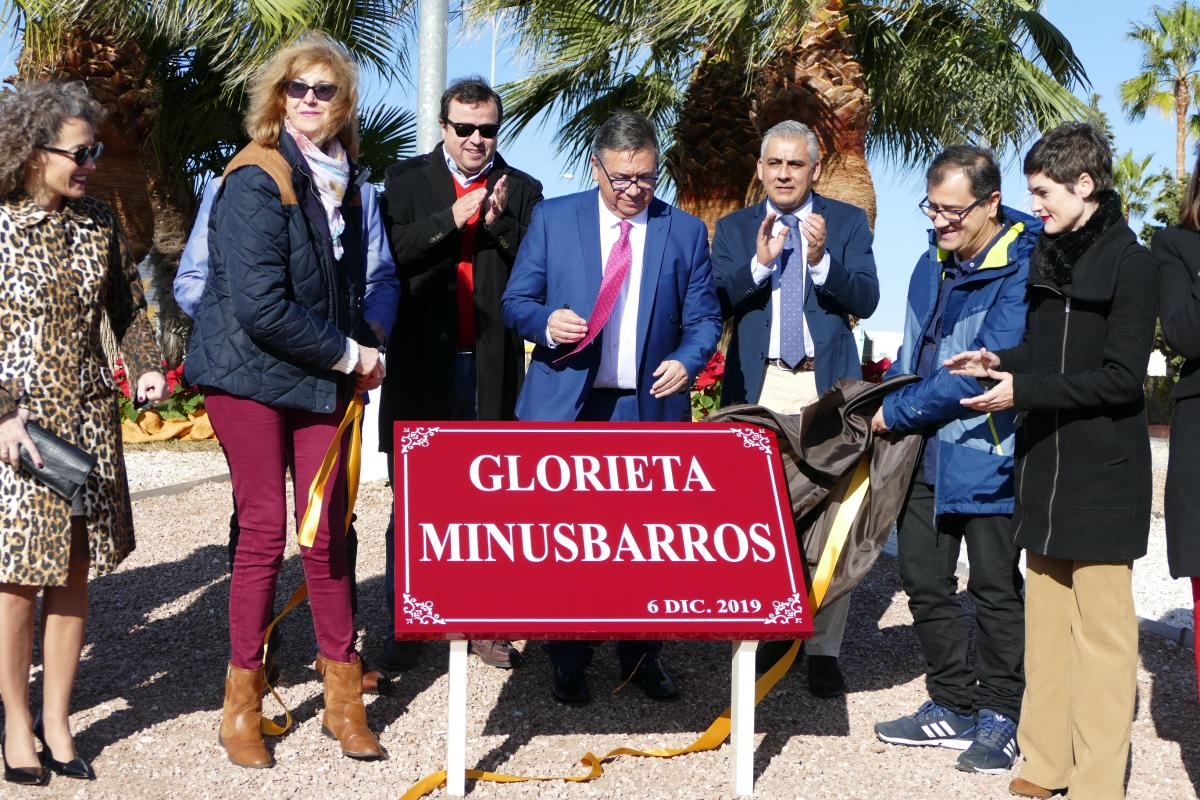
x=1083, y=451
x=277, y=308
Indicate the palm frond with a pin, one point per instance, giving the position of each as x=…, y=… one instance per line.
x=386, y=135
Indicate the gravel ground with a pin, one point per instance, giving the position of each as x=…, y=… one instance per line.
x=150, y=685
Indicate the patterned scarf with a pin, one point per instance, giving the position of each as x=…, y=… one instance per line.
x=331, y=174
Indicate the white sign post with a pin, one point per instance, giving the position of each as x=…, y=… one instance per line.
x=456, y=728
x=741, y=717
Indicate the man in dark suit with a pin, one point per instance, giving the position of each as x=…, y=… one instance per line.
x=615, y=289
x=455, y=218
x=790, y=271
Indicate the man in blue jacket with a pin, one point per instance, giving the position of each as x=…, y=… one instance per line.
x=615, y=289
x=790, y=272
x=967, y=292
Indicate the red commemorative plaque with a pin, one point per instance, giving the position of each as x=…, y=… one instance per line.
x=594, y=531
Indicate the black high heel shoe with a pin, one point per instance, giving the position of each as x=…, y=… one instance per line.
x=76, y=768
x=26, y=776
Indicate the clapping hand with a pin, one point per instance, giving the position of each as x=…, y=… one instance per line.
x=496, y=201
x=769, y=245
x=813, y=228
x=465, y=207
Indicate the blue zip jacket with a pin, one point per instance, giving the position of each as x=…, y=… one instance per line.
x=987, y=309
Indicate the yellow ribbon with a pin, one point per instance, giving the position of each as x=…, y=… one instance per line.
x=307, y=532
x=852, y=501
x=718, y=732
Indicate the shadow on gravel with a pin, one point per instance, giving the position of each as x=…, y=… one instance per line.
x=157, y=646
x=871, y=659
x=1173, y=700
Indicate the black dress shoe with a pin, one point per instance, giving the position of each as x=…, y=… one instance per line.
x=824, y=678
x=75, y=768
x=26, y=776
x=571, y=687
x=654, y=681
x=398, y=656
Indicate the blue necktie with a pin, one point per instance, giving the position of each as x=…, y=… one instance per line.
x=791, y=294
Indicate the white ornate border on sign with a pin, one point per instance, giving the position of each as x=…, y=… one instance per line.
x=416, y=437
x=753, y=437
x=790, y=610
x=417, y=611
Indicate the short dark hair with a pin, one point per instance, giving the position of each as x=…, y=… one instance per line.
x=625, y=130
x=1068, y=151
x=977, y=163
x=469, y=91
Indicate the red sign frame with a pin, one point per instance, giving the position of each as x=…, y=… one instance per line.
x=646, y=530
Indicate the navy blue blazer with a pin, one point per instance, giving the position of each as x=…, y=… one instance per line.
x=851, y=287
x=559, y=265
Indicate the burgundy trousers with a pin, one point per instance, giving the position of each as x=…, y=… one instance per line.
x=261, y=444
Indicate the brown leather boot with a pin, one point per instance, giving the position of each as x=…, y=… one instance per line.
x=345, y=716
x=373, y=681
x=1023, y=788
x=241, y=733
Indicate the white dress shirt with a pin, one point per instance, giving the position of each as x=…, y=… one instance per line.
x=760, y=272
x=463, y=179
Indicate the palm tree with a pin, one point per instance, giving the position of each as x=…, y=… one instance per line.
x=897, y=78
x=1134, y=185
x=1169, y=78
x=171, y=76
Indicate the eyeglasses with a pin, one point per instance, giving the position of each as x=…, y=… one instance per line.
x=949, y=214
x=645, y=182
x=487, y=130
x=80, y=155
x=298, y=90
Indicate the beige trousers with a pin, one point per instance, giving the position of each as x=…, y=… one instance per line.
x=787, y=392
x=1081, y=641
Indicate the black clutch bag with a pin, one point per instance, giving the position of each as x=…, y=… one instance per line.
x=66, y=466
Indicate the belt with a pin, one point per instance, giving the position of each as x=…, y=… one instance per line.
x=612, y=392
x=805, y=365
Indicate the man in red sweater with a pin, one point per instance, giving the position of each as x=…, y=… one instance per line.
x=455, y=218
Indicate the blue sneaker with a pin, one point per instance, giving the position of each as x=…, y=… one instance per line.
x=995, y=747
x=931, y=726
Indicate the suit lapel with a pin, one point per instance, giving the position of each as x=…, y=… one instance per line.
x=588, y=214
x=658, y=229
x=441, y=182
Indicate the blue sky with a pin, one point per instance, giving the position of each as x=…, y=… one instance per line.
x=1095, y=27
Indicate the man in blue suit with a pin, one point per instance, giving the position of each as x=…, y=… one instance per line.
x=790, y=272
x=615, y=289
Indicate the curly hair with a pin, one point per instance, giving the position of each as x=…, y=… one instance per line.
x=264, y=119
x=31, y=117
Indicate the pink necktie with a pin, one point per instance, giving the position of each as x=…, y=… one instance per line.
x=620, y=259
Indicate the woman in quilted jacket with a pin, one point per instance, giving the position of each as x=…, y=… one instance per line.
x=280, y=347
x=63, y=266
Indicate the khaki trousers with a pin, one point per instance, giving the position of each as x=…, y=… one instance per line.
x=1081, y=640
x=787, y=392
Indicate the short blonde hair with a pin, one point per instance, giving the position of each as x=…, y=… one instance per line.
x=264, y=119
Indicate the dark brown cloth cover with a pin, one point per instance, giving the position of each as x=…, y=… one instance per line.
x=820, y=448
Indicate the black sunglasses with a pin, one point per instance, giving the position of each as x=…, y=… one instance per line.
x=79, y=155
x=297, y=90
x=487, y=130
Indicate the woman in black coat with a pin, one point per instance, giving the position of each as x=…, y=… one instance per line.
x=1178, y=252
x=1083, y=466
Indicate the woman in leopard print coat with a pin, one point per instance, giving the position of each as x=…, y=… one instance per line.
x=62, y=266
